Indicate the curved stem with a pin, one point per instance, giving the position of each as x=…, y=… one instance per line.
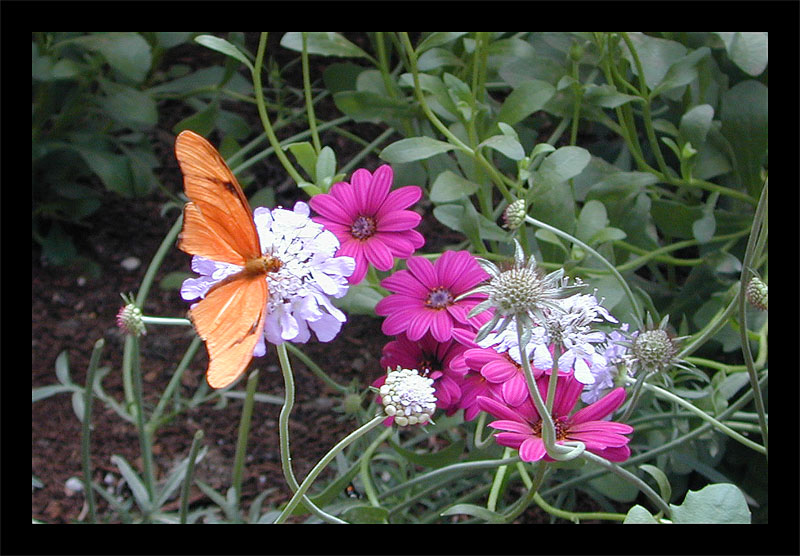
x=86, y=427
x=188, y=478
x=634, y=304
x=366, y=479
x=244, y=432
x=326, y=459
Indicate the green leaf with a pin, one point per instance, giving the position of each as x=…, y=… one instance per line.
x=367, y=105
x=306, y=157
x=524, y=100
x=325, y=167
x=656, y=56
x=134, y=483
x=562, y=164
x=437, y=39
x=449, y=186
x=717, y=503
x=202, y=122
x=128, y=53
x=475, y=511
x=366, y=513
x=747, y=50
x=506, y=145
x=62, y=369
x=675, y=219
x=682, y=72
x=443, y=457
x=323, y=43
x=661, y=479
x=113, y=169
x=414, y=148
x=607, y=96
x=341, y=76
x=745, y=125
x=592, y=219
x=695, y=124
x=221, y=45
x=703, y=228
x=360, y=300
x=43, y=392
x=637, y=515
x=454, y=217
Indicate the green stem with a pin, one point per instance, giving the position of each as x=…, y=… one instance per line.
x=283, y=433
x=189, y=477
x=631, y=478
x=153, y=423
x=634, y=304
x=244, y=432
x=366, y=479
x=497, y=482
x=575, y=517
x=314, y=368
x=145, y=441
x=262, y=112
x=535, y=484
x=312, y=121
x=86, y=427
x=667, y=395
x=326, y=459
x=745, y=277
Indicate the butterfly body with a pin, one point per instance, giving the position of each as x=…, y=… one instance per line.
x=218, y=225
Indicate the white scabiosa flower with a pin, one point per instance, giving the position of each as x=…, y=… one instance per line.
x=300, y=291
x=408, y=397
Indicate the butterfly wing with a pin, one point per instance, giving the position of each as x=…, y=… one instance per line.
x=231, y=320
x=217, y=222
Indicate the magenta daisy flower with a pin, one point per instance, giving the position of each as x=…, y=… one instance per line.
x=369, y=220
x=433, y=360
x=425, y=296
x=522, y=426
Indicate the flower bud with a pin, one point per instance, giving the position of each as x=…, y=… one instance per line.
x=756, y=293
x=408, y=397
x=129, y=320
x=514, y=215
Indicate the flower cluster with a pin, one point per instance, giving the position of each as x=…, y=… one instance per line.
x=300, y=291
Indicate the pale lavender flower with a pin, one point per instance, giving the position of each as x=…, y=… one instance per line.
x=300, y=291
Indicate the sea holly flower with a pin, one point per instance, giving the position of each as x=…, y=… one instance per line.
x=407, y=397
x=521, y=293
x=653, y=349
x=521, y=426
x=369, y=220
x=129, y=318
x=433, y=359
x=300, y=291
x=432, y=296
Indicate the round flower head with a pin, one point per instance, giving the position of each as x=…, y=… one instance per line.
x=300, y=291
x=653, y=349
x=521, y=293
x=757, y=293
x=432, y=296
x=432, y=359
x=369, y=220
x=514, y=215
x=129, y=318
x=408, y=397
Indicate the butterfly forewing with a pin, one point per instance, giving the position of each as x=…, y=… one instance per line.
x=218, y=223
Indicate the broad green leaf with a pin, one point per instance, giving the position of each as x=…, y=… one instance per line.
x=306, y=157
x=615, y=488
x=62, y=369
x=527, y=98
x=128, y=53
x=449, y=186
x=366, y=105
x=221, y=45
x=656, y=56
x=170, y=39
x=695, y=124
x=717, y=503
x=592, y=219
x=607, y=96
x=341, y=76
x=360, y=300
x=703, y=228
x=675, y=219
x=682, y=72
x=506, y=145
x=454, y=217
x=561, y=165
x=745, y=125
x=437, y=39
x=748, y=50
x=436, y=58
x=637, y=515
x=366, y=514
x=113, y=169
x=326, y=164
x=661, y=479
x=202, y=122
x=414, y=148
x=443, y=457
x=323, y=43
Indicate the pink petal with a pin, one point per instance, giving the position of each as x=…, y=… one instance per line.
x=532, y=449
x=515, y=390
x=423, y=270
x=511, y=426
x=399, y=199
x=405, y=283
x=397, y=322
x=441, y=326
x=398, y=242
x=601, y=408
x=419, y=324
x=510, y=439
x=398, y=221
x=567, y=393
x=331, y=208
x=378, y=254
x=498, y=370
x=346, y=195
x=378, y=189
x=498, y=409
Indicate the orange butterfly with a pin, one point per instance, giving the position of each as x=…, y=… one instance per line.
x=218, y=225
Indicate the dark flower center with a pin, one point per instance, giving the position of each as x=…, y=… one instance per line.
x=561, y=426
x=364, y=227
x=439, y=298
